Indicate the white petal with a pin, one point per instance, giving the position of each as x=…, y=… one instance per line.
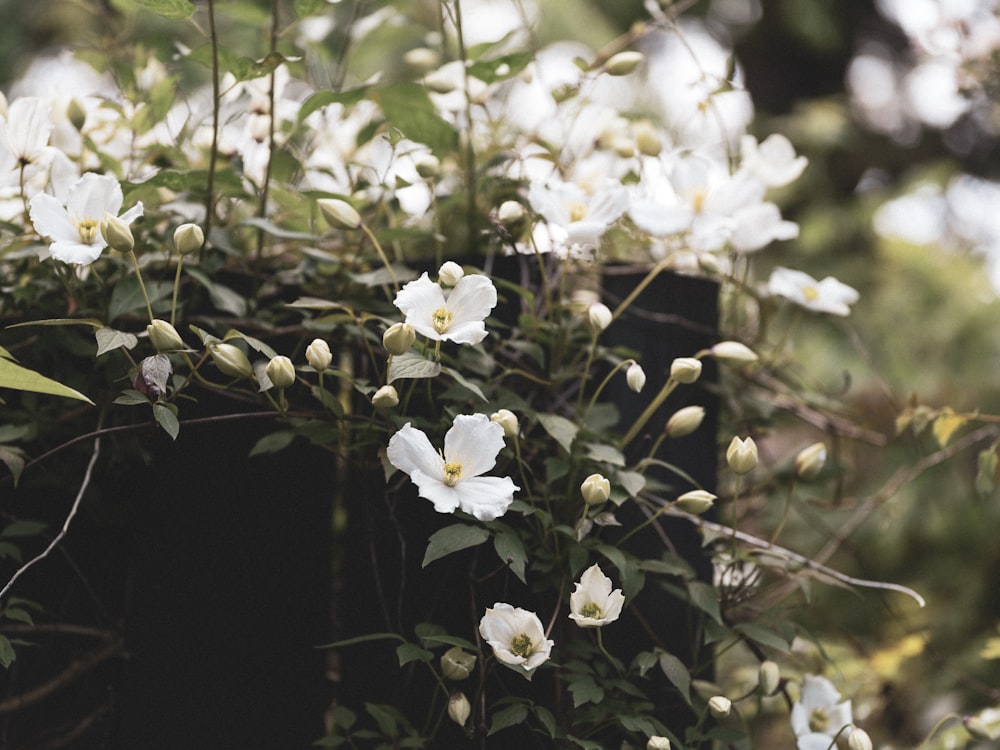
x=410, y=450
x=418, y=300
x=76, y=252
x=132, y=214
x=93, y=195
x=472, y=299
x=51, y=220
x=486, y=498
x=658, y=219
x=813, y=741
x=445, y=499
x=474, y=442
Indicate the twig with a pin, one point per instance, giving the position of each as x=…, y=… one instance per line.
x=65, y=528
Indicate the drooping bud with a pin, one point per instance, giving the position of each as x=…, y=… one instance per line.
x=720, y=706
x=810, y=461
x=398, y=338
x=318, y=355
x=510, y=213
x=188, y=238
x=733, y=353
x=280, y=371
x=656, y=742
x=696, y=501
x=769, y=677
x=599, y=316
x=450, y=273
x=623, y=63
x=596, y=489
x=742, y=455
x=635, y=377
x=231, y=360
x=684, y=421
x=978, y=728
x=339, y=214
x=459, y=708
x=164, y=337
x=427, y=165
x=858, y=739
x=685, y=369
x=508, y=420
x=117, y=234
x=457, y=663
x=647, y=139
x=385, y=397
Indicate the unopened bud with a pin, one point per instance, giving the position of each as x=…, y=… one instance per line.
x=685, y=369
x=858, y=739
x=685, y=421
x=635, y=377
x=318, y=355
x=339, y=214
x=810, y=461
x=510, y=213
x=508, y=420
x=385, y=397
x=427, y=165
x=696, y=501
x=164, y=336
x=720, y=706
x=117, y=234
x=422, y=58
x=440, y=81
x=596, y=489
x=656, y=742
x=188, y=238
x=459, y=708
x=769, y=677
x=231, y=360
x=647, y=139
x=623, y=146
x=280, y=371
x=733, y=353
x=450, y=273
x=398, y=338
x=76, y=114
x=599, y=316
x=742, y=455
x=978, y=728
x=564, y=91
x=623, y=63
x=457, y=664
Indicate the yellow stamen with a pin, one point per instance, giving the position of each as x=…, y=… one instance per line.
x=819, y=721
x=88, y=229
x=810, y=293
x=592, y=611
x=577, y=211
x=441, y=319
x=452, y=473
x=520, y=645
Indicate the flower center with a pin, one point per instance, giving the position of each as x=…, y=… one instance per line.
x=520, y=645
x=592, y=611
x=698, y=201
x=577, y=211
x=441, y=319
x=819, y=721
x=811, y=293
x=452, y=473
x=88, y=229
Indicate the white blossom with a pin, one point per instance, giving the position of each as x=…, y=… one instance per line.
x=516, y=637
x=456, y=317
x=820, y=713
x=826, y=296
x=592, y=603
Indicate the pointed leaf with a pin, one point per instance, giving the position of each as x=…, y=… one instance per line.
x=677, y=673
x=560, y=429
x=453, y=538
x=167, y=419
x=412, y=365
x=109, y=339
x=22, y=379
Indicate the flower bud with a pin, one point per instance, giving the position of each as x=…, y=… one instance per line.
x=858, y=739
x=457, y=664
x=76, y=114
x=635, y=377
x=510, y=213
x=733, y=353
x=459, y=708
x=385, y=397
x=720, y=706
x=685, y=421
x=769, y=677
x=422, y=58
x=742, y=455
x=164, y=336
x=450, y=273
x=978, y=728
x=623, y=63
x=117, y=234
x=696, y=501
x=339, y=214
x=188, y=238
x=427, y=165
x=685, y=369
x=231, y=360
x=280, y=371
x=318, y=355
x=599, y=316
x=508, y=420
x=656, y=742
x=440, y=81
x=398, y=338
x=564, y=92
x=810, y=461
x=596, y=489
x=647, y=139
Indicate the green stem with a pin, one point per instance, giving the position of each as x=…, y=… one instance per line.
x=604, y=383
x=216, y=104
x=177, y=285
x=650, y=409
x=784, y=513
x=937, y=727
x=381, y=255
x=653, y=273
x=591, y=350
x=142, y=286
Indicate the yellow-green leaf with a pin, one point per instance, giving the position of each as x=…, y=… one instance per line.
x=22, y=379
x=945, y=425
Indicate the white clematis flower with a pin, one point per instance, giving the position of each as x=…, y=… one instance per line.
x=592, y=603
x=827, y=296
x=516, y=637
x=576, y=220
x=25, y=131
x=457, y=316
x=75, y=226
x=452, y=480
x=820, y=714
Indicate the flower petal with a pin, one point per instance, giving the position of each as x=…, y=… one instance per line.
x=410, y=450
x=418, y=300
x=76, y=253
x=486, y=498
x=474, y=442
x=93, y=195
x=51, y=220
x=472, y=299
x=445, y=499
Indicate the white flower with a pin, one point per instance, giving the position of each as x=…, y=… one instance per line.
x=453, y=480
x=819, y=714
x=75, y=228
x=576, y=219
x=829, y=295
x=25, y=131
x=516, y=637
x=457, y=317
x=592, y=603
x=773, y=160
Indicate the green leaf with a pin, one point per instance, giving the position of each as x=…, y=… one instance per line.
x=175, y=9
x=560, y=429
x=304, y=8
x=364, y=639
x=468, y=385
x=631, y=481
x=704, y=597
x=412, y=365
x=13, y=459
x=109, y=339
x=269, y=227
x=166, y=417
x=501, y=68
x=408, y=108
x=585, y=690
x=128, y=297
x=222, y=297
x=131, y=397
x=606, y=454
x=510, y=549
x=677, y=673
x=644, y=661
x=508, y=717
x=451, y=539
x=22, y=528
x=546, y=719
x=22, y=379
x=764, y=636
x=407, y=652
x=273, y=443
x=322, y=98
x=445, y=639
x=9, y=551
x=7, y=654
